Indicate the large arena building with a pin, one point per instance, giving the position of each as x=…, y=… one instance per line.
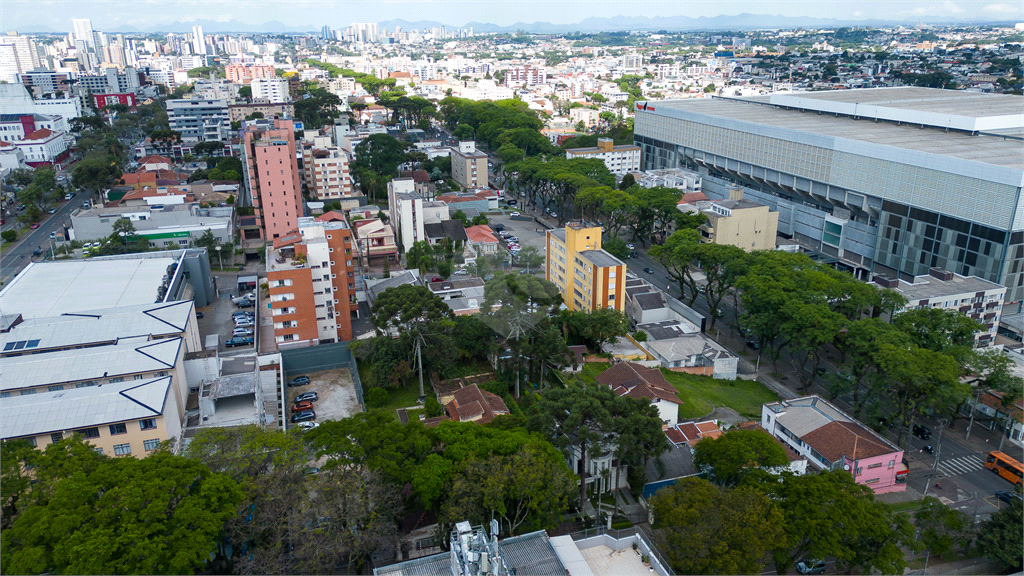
x=887, y=181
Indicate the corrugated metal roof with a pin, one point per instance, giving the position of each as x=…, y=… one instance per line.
x=100, y=326
x=436, y=565
x=131, y=356
x=68, y=410
x=531, y=554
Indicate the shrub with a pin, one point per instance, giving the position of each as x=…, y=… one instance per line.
x=377, y=397
x=621, y=524
x=9, y=235
x=432, y=407
x=640, y=336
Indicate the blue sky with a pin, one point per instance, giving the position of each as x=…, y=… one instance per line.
x=109, y=14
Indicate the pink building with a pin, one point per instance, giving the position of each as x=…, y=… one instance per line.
x=833, y=440
x=273, y=173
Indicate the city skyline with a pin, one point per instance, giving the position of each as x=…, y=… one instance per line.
x=309, y=15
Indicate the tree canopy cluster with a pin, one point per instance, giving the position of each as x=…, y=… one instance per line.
x=369, y=82
x=462, y=471
x=791, y=307
x=496, y=124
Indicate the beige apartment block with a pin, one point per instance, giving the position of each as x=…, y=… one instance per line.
x=120, y=419
x=588, y=277
x=469, y=167
x=743, y=223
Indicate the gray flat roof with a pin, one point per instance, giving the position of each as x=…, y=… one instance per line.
x=127, y=357
x=805, y=415
x=558, y=233
x=100, y=326
x=82, y=407
x=931, y=287
x=982, y=148
x=930, y=106
x=55, y=288
x=668, y=329
x=600, y=258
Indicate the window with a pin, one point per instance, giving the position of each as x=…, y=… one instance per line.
x=873, y=466
x=891, y=463
x=151, y=444
x=31, y=441
x=27, y=392
x=871, y=480
x=56, y=437
x=116, y=379
x=859, y=471
x=116, y=429
x=89, y=432
x=5, y=394
x=138, y=376
x=98, y=450
x=148, y=423
x=122, y=449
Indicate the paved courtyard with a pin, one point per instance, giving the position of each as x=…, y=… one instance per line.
x=607, y=562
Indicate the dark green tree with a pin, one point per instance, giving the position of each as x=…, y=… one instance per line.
x=943, y=529
x=728, y=458
x=705, y=529
x=1001, y=537
x=162, y=513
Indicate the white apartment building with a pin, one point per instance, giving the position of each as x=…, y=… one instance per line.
x=270, y=89
x=199, y=120
x=972, y=296
x=622, y=159
x=406, y=209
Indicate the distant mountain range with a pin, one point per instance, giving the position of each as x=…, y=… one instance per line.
x=589, y=25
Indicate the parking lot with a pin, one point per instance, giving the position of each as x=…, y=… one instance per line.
x=217, y=318
x=526, y=231
x=336, y=391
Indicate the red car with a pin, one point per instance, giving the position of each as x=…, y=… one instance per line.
x=35, y=225
x=302, y=406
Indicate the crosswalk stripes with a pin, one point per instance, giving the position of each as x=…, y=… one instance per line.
x=961, y=465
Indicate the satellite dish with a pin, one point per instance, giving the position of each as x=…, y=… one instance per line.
x=846, y=467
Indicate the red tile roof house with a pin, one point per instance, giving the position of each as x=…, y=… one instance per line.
x=636, y=381
x=833, y=440
x=690, y=433
x=471, y=404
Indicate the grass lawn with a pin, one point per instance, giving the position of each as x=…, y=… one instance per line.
x=405, y=397
x=701, y=393
x=743, y=396
x=592, y=369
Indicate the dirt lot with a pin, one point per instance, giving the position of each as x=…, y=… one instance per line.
x=336, y=390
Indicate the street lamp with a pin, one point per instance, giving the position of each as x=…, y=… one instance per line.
x=219, y=258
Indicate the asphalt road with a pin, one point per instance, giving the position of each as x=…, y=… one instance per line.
x=18, y=256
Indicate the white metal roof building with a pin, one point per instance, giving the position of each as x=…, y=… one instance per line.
x=90, y=366
x=103, y=327
x=892, y=180
x=55, y=288
x=124, y=418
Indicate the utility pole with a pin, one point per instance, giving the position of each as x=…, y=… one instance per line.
x=974, y=407
x=419, y=363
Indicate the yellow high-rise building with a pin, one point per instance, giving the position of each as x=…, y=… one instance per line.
x=588, y=277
